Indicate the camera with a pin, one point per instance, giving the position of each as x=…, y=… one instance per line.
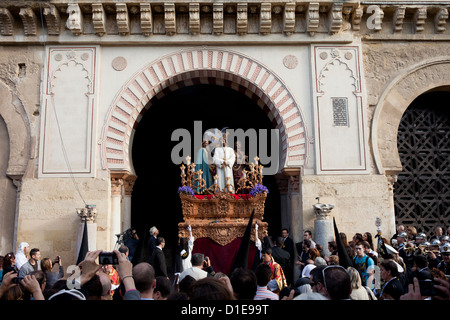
x=108, y=258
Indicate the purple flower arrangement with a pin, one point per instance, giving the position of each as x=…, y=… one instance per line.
x=186, y=190
x=259, y=188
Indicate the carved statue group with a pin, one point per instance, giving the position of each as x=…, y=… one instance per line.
x=218, y=167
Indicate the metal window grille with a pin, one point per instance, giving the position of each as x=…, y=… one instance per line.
x=422, y=191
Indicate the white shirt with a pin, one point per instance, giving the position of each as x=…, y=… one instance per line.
x=194, y=272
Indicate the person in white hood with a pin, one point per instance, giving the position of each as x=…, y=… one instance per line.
x=21, y=254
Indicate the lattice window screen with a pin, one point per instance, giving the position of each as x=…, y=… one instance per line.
x=422, y=191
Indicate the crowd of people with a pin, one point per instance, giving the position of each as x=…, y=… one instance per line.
x=411, y=266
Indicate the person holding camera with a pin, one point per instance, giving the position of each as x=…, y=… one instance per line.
x=199, y=261
x=10, y=289
x=52, y=277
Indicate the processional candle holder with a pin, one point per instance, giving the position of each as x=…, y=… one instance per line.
x=192, y=178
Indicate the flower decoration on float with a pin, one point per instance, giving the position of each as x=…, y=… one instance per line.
x=258, y=189
x=186, y=190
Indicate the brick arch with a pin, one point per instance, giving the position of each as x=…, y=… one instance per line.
x=202, y=66
x=394, y=101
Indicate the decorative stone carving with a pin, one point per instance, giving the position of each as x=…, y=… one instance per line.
x=123, y=21
x=294, y=184
x=282, y=183
x=335, y=18
x=312, y=18
x=99, y=19
x=289, y=18
x=399, y=15
x=322, y=210
x=221, y=218
x=75, y=21
x=116, y=186
x=6, y=22
x=129, y=184
x=170, y=18
x=29, y=21
x=440, y=20
x=194, y=18
x=265, y=21
x=290, y=62
x=356, y=18
x=218, y=18
x=146, y=19
x=119, y=63
x=242, y=18
x=391, y=179
x=338, y=17
x=88, y=213
x=419, y=17
x=53, y=20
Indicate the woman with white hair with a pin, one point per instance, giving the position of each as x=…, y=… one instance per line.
x=21, y=254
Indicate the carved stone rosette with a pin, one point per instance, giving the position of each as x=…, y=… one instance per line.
x=222, y=218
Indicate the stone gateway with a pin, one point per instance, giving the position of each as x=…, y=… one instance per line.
x=82, y=82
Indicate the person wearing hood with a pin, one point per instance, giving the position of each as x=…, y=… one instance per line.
x=21, y=254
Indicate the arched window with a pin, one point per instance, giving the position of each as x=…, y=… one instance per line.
x=422, y=191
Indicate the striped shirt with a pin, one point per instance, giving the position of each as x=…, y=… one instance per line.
x=262, y=293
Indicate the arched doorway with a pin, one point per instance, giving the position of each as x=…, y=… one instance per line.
x=154, y=199
x=422, y=192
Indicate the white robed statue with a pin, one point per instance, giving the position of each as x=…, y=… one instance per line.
x=224, y=158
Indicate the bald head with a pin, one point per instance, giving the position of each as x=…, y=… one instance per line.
x=105, y=280
x=144, y=277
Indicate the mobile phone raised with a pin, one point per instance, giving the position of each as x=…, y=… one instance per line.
x=108, y=258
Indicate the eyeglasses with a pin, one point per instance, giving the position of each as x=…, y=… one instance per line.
x=328, y=267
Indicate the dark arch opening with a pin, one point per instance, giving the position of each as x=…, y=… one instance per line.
x=155, y=201
x=421, y=193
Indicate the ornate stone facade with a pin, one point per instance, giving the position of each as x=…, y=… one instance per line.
x=333, y=77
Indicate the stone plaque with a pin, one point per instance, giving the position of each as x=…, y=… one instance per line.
x=340, y=112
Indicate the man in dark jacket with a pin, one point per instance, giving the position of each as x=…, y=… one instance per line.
x=422, y=272
x=158, y=258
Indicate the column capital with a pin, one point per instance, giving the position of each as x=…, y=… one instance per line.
x=293, y=175
x=116, y=186
x=129, y=184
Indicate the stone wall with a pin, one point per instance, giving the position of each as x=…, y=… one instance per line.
x=48, y=219
x=7, y=195
x=20, y=74
x=358, y=201
x=397, y=73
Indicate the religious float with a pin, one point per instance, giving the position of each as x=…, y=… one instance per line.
x=218, y=217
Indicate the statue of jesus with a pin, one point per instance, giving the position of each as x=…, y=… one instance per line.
x=224, y=158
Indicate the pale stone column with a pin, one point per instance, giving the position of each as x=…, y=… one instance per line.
x=323, y=226
x=88, y=214
x=18, y=185
x=126, y=210
x=116, y=209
